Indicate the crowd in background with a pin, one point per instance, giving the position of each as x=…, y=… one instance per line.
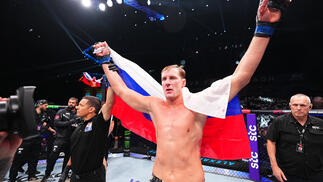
x=274, y=103
x=263, y=103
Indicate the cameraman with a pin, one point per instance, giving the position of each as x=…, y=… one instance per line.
x=29, y=149
x=8, y=146
x=65, y=123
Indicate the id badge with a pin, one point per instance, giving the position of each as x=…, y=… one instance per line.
x=88, y=127
x=300, y=147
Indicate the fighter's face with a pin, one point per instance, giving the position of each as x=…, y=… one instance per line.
x=300, y=106
x=172, y=83
x=82, y=109
x=72, y=103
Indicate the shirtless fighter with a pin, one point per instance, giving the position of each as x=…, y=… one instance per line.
x=179, y=129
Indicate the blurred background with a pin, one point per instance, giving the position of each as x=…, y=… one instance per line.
x=43, y=42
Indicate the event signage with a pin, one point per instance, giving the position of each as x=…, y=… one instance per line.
x=253, y=138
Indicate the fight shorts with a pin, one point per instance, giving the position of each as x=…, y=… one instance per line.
x=155, y=179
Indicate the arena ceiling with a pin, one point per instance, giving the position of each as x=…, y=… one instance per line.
x=43, y=41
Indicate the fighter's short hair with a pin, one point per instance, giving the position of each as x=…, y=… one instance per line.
x=180, y=69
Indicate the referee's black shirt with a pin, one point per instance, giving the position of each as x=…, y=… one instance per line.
x=283, y=131
x=88, y=144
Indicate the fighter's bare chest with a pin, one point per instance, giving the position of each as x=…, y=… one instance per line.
x=174, y=117
x=174, y=112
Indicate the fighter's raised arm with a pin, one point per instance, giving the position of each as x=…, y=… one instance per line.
x=269, y=12
x=133, y=99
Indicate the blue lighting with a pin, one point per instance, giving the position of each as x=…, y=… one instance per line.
x=150, y=13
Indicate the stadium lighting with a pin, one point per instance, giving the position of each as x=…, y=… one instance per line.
x=102, y=6
x=86, y=3
x=109, y=3
x=119, y=1
x=148, y=2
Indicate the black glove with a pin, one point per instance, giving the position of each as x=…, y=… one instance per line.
x=104, y=59
x=280, y=5
x=266, y=29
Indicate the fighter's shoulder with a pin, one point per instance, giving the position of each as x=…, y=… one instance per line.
x=155, y=100
x=156, y=104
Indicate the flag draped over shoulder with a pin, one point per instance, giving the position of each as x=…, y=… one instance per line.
x=224, y=137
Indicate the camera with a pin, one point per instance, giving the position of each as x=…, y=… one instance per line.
x=17, y=113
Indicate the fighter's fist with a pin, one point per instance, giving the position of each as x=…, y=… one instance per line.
x=271, y=10
x=103, y=46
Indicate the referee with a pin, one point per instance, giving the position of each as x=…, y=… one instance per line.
x=295, y=143
x=89, y=139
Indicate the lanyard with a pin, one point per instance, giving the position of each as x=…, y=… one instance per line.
x=301, y=133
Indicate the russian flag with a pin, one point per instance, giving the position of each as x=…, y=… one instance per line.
x=224, y=139
x=89, y=80
x=85, y=79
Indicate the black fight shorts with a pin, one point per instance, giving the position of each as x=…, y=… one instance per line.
x=155, y=179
